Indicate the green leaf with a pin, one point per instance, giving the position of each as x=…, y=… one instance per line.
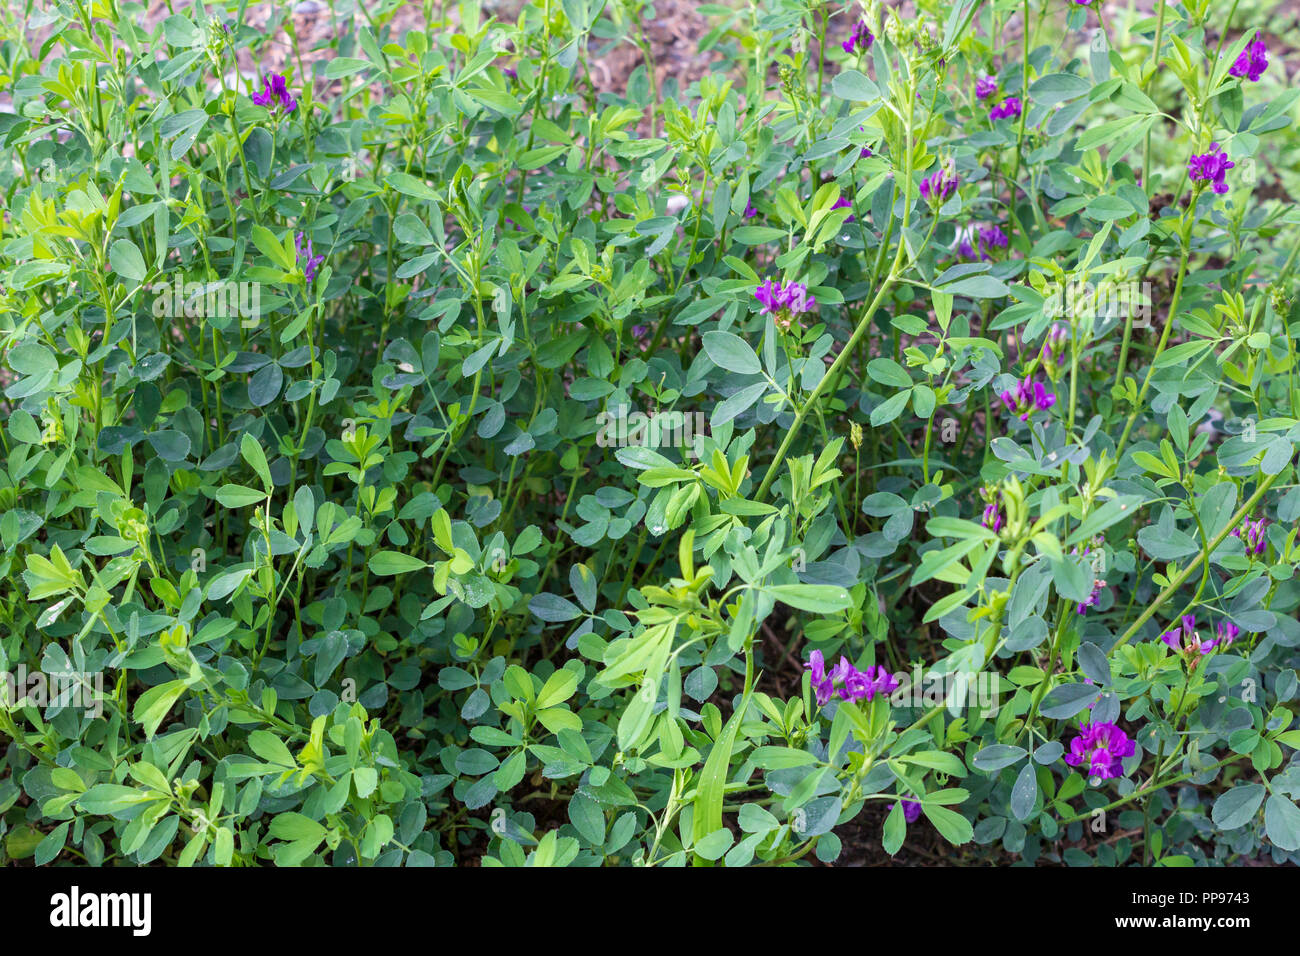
x=125, y=258
x=553, y=609
x=888, y=372
x=853, y=85
x=713, y=778
x=818, y=598
x=952, y=826
x=1236, y=807
x=1058, y=88
x=388, y=563
x=152, y=706
x=731, y=352
x=239, y=496
x=1282, y=822
x=251, y=451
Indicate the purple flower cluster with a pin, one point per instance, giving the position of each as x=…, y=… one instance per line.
x=1252, y=62
x=939, y=185
x=973, y=242
x=1029, y=396
x=985, y=86
x=993, y=518
x=788, y=296
x=860, y=38
x=1183, y=637
x=846, y=680
x=911, y=810
x=1098, y=585
x=844, y=203
x=1184, y=640
x=1054, y=345
x=310, y=262
x=1008, y=108
x=1101, y=748
x=275, y=94
x=1251, y=534
x=1210, y=167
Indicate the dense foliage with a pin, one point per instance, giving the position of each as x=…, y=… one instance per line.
x=419, y=456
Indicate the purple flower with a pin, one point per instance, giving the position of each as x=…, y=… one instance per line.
x=750, y=211
x=784, y=301
x=1100, y=748
x=865, y=685
x=1052, y=354
x=1226, y=633
x=973, y=241
x=1252, y=62
x=639, y=330
x=844, y=203
x=993, y=237
x=965, y=242
x=911, y=810
x=1098, y=585
x=1252, y=537
x=847, y=680
x=1010, y=107
x=1184, y=640
x=275, y=94
x=305, y=256
x=993, y=518
x=1184, y=632
x=866, y=151
x=939, y=185
x=860, y=38
x=1029, y=396
x=1210, y=167
x=985, y=87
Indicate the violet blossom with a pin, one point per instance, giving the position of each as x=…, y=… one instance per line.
x=784, y=301
x=976, y=241
x=911, y=810
x=1252, y=61
x=1098, y=585
x=275, y=94
x=1225, y=634
x=1100, y=748
x=1029, y=396
x=1252, y=537
x=939, y=185
x=985, y=86
x=1008, y=108
x=850, y=683
x=306, y=256
x=993, y=518
x=844, y=203
x=1210, y=167
x=1184, y=640
x=860, y=38
x=1052, y=354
